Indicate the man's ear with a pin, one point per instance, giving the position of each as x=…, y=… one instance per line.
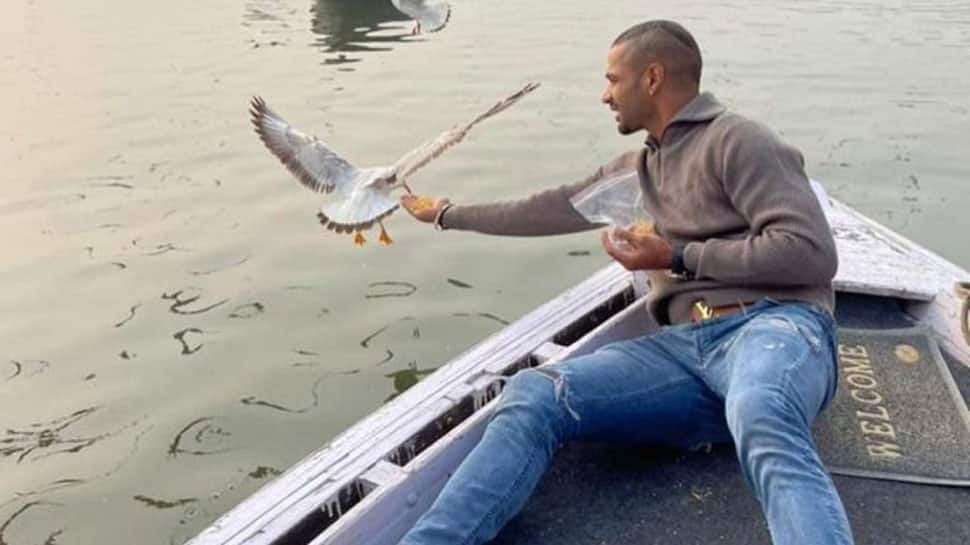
x=653, y=77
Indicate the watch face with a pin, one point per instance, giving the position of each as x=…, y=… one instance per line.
x=677, y=259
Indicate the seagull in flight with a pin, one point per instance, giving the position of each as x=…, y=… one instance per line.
x=362, y=195
x=433, y=15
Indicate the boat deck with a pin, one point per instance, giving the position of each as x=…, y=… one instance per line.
x=368, y=485
x=603, y=494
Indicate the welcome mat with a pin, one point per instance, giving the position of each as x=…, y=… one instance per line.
x=897, y=413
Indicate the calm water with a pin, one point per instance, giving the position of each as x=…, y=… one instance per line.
x=176, y=330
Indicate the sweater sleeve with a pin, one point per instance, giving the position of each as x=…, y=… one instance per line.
x=548, y=212
x=789, y=241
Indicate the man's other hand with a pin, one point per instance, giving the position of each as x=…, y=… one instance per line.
x=637, y=250
x=423, y=209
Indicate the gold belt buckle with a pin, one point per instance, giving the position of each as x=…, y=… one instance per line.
x=705, y=312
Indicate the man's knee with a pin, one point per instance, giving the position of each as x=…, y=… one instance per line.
x=537, y=397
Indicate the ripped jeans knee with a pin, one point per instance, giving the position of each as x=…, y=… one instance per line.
x=539, y=398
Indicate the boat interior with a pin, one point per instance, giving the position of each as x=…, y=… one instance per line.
x=609, y=493
x=369, y=485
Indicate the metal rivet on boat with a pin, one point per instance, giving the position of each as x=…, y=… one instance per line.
x=412, y=499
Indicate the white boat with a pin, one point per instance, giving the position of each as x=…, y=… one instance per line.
x=369, y=485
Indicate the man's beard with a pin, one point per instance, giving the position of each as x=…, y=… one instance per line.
x=624, y=130
x=623, y=127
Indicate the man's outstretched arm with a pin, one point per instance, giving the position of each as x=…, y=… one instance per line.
x=545, y=213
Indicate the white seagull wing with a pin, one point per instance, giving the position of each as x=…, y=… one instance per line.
x=425, y=153
x=432, y=15
x=314, y=164
x=358, y=211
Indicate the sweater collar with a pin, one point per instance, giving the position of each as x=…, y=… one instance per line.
x=702, y=108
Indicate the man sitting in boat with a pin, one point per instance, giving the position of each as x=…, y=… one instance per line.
x=742, y=262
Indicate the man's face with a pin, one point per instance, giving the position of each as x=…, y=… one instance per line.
x=625, y=91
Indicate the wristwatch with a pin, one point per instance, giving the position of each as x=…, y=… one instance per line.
x=677, y=265
x=440, y=216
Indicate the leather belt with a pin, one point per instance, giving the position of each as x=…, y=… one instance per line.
x=700, y=311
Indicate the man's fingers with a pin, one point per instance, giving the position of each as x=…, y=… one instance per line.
x=620, y=233
x=407, y=201
x=612, y=250
x=422, y=208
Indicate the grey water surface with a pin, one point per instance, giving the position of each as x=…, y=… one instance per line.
x=176, y=329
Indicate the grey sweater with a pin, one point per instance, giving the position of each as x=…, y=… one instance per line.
x=725, y=186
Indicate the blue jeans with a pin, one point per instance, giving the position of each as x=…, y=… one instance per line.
x=758, y=379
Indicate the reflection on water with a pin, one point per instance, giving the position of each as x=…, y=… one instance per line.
x=51, y=438
x=163, y=504
x=349, y=26
x=273, y=19
x=247, y=310
x=45, y=438
x=340, y=27
x=314, y=403
x=131, y=315
x=201, y=437
x=180, y=299
x=23, y=513
x=180, y=337
x=390, y=289
x=406, y=378
x=27, y=368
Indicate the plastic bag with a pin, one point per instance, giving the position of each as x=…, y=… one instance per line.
x=616, y=201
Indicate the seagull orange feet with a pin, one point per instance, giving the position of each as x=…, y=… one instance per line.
x=359, y=238
x=384, y=238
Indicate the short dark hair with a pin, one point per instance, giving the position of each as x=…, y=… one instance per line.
x=667, y=42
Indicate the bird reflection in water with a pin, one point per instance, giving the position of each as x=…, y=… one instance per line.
x=345, y=27
x=428, y=15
